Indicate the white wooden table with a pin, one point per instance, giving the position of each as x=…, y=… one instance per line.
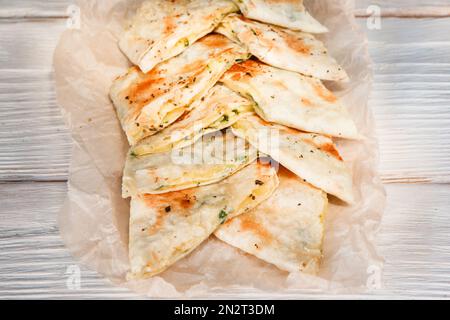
x=411, y=101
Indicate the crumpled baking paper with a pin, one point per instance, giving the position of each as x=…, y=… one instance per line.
x=94, y=219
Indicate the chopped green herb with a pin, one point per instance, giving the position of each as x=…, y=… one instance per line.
x=239, y=60
x=223, y=215
x=133, y=154
x=225, y=118
x=235, y=111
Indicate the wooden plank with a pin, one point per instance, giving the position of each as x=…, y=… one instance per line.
x=33, y=8
x=401, y=4
x=59, y=8
x=402, y=8
x=34, y=142
x=410, y=101
x=33, y=261
x=412, y=240
x=29, y=43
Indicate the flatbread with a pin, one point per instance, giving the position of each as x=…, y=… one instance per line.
x=163, y=29
x=211, y=159
x=312, y=157
x=282, y=48
x=285, y=230
x=218, y=110
x=149, y=102
x=165, y=228
x=285, y=13
x=290, y=99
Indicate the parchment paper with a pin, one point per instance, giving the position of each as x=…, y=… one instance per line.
x=94, y=220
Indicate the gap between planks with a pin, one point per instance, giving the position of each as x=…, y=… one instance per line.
x=425, y=12
x=408, y=13
x=60, y=9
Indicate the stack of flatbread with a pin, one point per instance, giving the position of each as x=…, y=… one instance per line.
x=231, y=131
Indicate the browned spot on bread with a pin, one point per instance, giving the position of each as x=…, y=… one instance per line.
x=194, y=67
x=295, y=43
x=280, y=84
x=148, y=86
x=248, y=68
x=143, y=92
x=285, y=173
x=324, y=93
x=237, y=76
x=249, y=224
x=327, y=147
x=215, y=41
x=169, y=25
x=153, y=261
x=237, y=72
x=156, y=226
x=306, y=102
x=178, y=202
x=184, y=199
x=331, y=149
x=252, y=65
x=245, y=19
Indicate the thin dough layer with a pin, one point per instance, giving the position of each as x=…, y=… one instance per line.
x=165, y=228
x=163, y=29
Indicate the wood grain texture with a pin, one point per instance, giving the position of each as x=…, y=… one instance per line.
x=404, y=8
x=33, y=261
x=34, y=141
x=34, y=8
x=410, y=101
x=391, y=8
